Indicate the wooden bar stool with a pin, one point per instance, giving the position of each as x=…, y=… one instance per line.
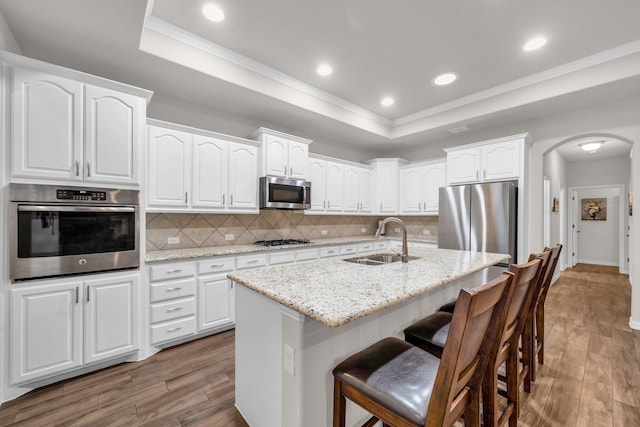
x=535, y=326
x=428, y=333
x=403, y=385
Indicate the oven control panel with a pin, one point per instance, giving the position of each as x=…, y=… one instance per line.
x=81, y=195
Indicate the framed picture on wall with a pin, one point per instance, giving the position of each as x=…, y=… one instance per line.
x=594, y=209
x=556, y=205
x=630, y=203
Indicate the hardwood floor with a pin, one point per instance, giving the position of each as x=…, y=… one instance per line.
x=591, y=375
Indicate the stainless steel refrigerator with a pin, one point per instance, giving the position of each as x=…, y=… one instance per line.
x=479, y=217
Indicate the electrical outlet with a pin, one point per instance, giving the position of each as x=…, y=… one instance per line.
x=426, y=232
x=397, y=230
x=289, y=357
x=323, y=232
x=229, y=237
x=173, y=240
x=363, y=230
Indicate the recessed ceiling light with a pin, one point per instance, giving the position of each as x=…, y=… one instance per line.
x=534, y=44
x=324, y=70
x=591, y=146
x=213, y=12
x=444, y=79
x=387, y=101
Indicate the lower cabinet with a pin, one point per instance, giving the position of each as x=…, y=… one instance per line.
x=216, y=302
x=59, y=325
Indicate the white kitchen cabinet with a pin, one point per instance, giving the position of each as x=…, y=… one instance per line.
x=59, y=325
x=419, y=187
x=202, y=172
x=494, y=160
x=216, y=302
x=327, y=185
x=386, y=185
x=282, y=154
x=66, y=130
x=358, y=189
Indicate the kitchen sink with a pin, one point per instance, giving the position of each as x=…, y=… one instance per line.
x=378, y=259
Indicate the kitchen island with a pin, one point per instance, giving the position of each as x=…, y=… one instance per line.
x=294, y=323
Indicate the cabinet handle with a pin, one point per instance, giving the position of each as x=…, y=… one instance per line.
x=484, y=174
x=175, y=270
x=171, y=310
x=285, y=171
x=185, y=197
x=328, y=204
x=88, y=169
x=324, y=204
x=380, y=207
x=253, y=261
x=476, y=174
x=331, y=252
x=231, y=200
x=77, y=168
x=174, y=329
x=173, y=289
x=88, y=294
x=217, y=265
x=223, y=199
x=290, y=170
x=77, y=294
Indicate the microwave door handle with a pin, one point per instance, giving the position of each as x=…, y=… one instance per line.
x=304, y=194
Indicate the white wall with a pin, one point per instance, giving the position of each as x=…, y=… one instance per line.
x=599, y=172
x=598, y=240
x=555, y=169
x=7, y=41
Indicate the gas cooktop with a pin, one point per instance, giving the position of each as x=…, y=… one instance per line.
x=280, y=242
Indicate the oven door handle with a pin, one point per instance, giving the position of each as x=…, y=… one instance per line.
x=30, y=208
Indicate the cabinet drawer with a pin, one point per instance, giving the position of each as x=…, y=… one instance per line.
x=346, y=250
x=216, y=265
x=172, y=271
x=169, y=310
x=329, y=252
x=380, y=245
x=282, y=258
x=365, y=247
x=306, y=254
x=173, y=289
x=173, y=330
x=252, y=261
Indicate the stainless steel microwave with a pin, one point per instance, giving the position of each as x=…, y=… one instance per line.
x=284, y=193
x=57, y=231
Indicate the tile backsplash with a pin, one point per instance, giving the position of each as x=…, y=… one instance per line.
x=203, y=230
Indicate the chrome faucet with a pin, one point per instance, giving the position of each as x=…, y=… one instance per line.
x=405, y=249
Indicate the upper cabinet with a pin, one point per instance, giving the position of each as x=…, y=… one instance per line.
x=327, y=185
x=358, y=189
x=419, y=187
x=193, y=170
x=63, y=129
x=495, y=160
x=386, y=185
x=282, y=155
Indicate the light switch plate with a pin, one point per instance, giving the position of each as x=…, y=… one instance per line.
x=323, y=232
x=289, y=357
x=426, y=232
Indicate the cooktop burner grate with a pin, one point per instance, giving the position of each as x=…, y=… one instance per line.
x=280, y=242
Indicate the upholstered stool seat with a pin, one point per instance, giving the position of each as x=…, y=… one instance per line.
x=395, y=374
x=430, y=333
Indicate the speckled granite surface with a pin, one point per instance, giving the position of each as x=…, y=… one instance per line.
x=184, y=254
x=334, y=292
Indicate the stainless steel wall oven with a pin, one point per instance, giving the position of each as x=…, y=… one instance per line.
x=58, y=230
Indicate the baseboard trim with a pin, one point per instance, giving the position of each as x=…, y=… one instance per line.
x=590, y=261
x=633, y=324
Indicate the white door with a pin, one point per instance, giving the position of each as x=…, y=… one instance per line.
x=111, y=314
x=243, y=177
x=335, y=186
x=47, y=126
x=113, y=133
x=318, y=176
x=209, y=180
x=168, y=168
x=575, y=231
x=298, y=160
x=46, y=330
x=216, y=304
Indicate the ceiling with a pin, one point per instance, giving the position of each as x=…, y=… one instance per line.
x=259, y=64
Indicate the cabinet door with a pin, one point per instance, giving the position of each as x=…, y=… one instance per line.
x=276, y=151
x=387, y=188
x=365, y=190
x=298, y=159
x=111, y=318
x=216, y=303
x=411, y=190
x=47, y=126
x=168, y=155
x=463, y=166
x=318, y=178
x=335, y=186
x=113, y=134
x=501, y=161
x=351, y=196
x=209, y=179
x=433, y=177
x=243, y=177
x=46, y=330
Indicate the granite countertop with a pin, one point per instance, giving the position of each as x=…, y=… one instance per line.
x=334, y=292
x=191, y=253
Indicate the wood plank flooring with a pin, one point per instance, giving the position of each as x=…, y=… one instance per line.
x=591, y=375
